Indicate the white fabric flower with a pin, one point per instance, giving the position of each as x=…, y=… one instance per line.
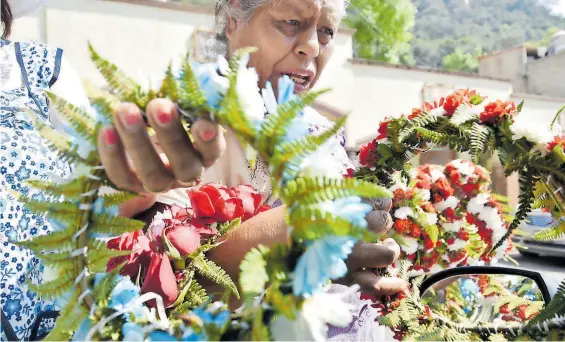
x=457, y=245
x=438, y=111
x=248, y=92
x=424, y=194
x=450, y=202
x=435, y=269
x=312, y=322
x=532, y=130
x=466, y=169
x=476, y=204
x=453, y=227
x=431, y=218
x=322, y=163
x=409, y=245
x=403, y=213
x=436, y=174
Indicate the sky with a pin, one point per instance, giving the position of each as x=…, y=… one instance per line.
x=560, y=7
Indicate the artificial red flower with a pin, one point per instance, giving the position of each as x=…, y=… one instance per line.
x=449, y=213
x=453, y=101
x=428, y=243
x=451, y=241
x=428, y=207
x=415, y=113
x=558, y=140
x=463, y=235
x=160, y=279
x=250, y=198
x=444, y=187
x=402, y=226
x=504, y=309
x=494, y=112
x=350, y=173
x=383, y=130
x=368, y=154
x=140, y=256
x=415, y=230
x=185, y=238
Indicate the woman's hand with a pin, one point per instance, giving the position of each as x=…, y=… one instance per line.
x=132, y=162
x=368, y=256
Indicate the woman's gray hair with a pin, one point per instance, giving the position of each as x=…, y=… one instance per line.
x=224, y=11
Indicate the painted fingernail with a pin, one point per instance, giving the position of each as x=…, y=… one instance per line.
x=208, y=135
x=131, y=120
x=164, y=118
x=110, y=137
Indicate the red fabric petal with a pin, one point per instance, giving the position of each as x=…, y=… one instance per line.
x=201, y=204
x=229, y=210
x=184, y=238
x=161, y=280
x=213, y=193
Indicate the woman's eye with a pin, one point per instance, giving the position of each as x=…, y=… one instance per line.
x=292, y=22
x=328, y=32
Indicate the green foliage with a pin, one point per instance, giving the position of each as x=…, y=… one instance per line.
x=556, y=231
x=443, y=26
x=462, y=61
x=383, y=29
x=114, y=225
x=479, y=135
x=254, y=276
x=80, y=120
x=117, y=198
x=72, y=189
x=210, y=270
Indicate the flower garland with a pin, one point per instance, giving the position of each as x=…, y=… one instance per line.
x=324, y=210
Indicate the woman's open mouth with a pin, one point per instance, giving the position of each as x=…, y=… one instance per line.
x=302, y=80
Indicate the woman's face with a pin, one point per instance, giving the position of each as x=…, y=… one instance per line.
x=293, y=37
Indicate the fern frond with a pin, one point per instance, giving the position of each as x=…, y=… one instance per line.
x=253, y=272
x=210, y=270
x=57, y=287
x=310, y=223
x=72, y=189
x=190, y=94
x=315, y=190
x=105, y=104
x=170, y=87
x=65, y=211
x=554, y=232
x=527, y=185
x=60, y=240
x=463, y=114
x=126, y=88
x=113, y=225
x=80, y=120
x=69, y=318
x=99, y=255
x=196, y=295
x=420, y=121
x=479, y=137
x=117, y=198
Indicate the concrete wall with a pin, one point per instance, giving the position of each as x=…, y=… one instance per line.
x=546, y=76
x=508, y=64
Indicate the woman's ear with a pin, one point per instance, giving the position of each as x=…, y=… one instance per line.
x=232, y=22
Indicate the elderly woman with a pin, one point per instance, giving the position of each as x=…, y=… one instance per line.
x=294, y=38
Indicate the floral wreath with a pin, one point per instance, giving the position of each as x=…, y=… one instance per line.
x=281, y=290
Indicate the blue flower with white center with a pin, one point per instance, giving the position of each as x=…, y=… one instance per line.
x=124, y=293
x=133, y=332
x=160, y=336
x=322, y=261
x=212, y=81
x=214, y=315
x=349, y=208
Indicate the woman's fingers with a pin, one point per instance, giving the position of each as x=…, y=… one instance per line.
x=379, y=221
x=384, y=204
x=209, y=140
x=373, y=255
x=174, y=141
x=114, y=159
x=150, y=169
x=376, y=285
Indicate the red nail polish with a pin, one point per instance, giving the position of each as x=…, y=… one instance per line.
x=208, y=135
x=110, y=137
x=164, y=118
x=132, y=119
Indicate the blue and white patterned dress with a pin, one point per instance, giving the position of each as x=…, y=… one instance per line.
x=23, y=156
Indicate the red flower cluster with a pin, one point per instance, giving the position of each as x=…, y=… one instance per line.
x=460, y=97
x=368, y=154
x=494, y=112
x=471, y=185
x=383, y=130
x=426, y=107
x=557, y=141
x=182, y=231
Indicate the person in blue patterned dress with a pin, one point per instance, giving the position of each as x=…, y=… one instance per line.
x=27, y=69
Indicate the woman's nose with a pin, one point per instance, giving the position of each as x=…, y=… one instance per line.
x=308, y=45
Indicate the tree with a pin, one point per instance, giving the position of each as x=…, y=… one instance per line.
x=460, y=61
x=384, y=29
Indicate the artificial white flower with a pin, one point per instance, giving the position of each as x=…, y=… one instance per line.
x=248, y=92
x=436, y=174
x=476, y=204
x=466, y=169
x=438, y=111
x=453, y=227
x=435, y=269
x=424, y=194
x=409, y=245
x=403, y=213
x=532, y=130
x=431, y=218
x=322, y=163
x=465, y=113
x=457, y=245
x=450, y=202
x=398, y=186
x=311, y=324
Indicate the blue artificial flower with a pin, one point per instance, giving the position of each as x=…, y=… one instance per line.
x=349, y=208
x=82, y=332
x=190, y=335
x=212, y=84
x=212, y=317
x=160, y=336
x=123, y=294
x=286, y=90
x=132, y=332
x=322, y=261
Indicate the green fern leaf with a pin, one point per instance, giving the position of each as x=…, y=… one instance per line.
x=420, y=121
x=126, y=88
x=479, y=136
x=311, y=223
x=105, y=103
x=227, y=227
x=190, y=94
x=71, y=189
x=463, y=114
x=57, y=287
x=552, y=233
x=80, y=120
x=254, y=277
x=117, y=198
x=170, y=87
x=68, y=321
x=215, y=273
x=98, y=257
x=55, y=241
x=315, y=190
x=113, y=225
x=67, y=212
